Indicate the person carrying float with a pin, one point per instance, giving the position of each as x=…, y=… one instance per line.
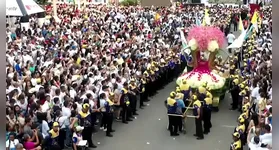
x=186, y=90
x=174, y=114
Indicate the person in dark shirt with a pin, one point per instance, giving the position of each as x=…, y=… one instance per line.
x=235, y=93
x=56, y=104
x=85, y=120
x=125, y=104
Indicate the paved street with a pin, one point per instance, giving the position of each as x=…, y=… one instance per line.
x=148, y=131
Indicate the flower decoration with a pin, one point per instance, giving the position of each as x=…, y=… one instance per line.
x=203, y=35
x=213, y=46
x=193, y=44
x=197, y=78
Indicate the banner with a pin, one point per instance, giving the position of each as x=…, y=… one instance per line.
x=12, y=8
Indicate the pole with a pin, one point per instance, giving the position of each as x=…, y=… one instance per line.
x=78, y=3
x=54, y=6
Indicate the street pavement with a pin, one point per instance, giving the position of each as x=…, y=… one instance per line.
x=149, y=130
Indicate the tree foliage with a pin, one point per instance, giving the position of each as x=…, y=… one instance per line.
x=129, y=2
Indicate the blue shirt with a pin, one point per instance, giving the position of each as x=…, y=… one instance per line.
x=180, y=103
x=171, y=64
x=183, y=58
x=18, y=69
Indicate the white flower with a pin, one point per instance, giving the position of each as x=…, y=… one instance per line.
x=195, y=83
x=193, y=44
x=212, y=46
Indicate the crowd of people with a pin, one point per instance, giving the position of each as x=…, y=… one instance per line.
x=72, y=76
x=251, y=88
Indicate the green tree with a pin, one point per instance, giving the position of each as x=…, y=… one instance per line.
x=129, y=3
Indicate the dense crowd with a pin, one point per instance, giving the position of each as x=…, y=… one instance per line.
x=251, y=88
x=92, y=66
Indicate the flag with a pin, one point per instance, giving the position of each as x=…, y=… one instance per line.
x=184, y=42
x=249, y=32
x=237, y=43
x=254, y=20
x=240, y=24
x=157, y=16
x=255, y=17
x=206, y=19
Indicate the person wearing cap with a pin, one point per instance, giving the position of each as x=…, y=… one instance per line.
x=152, y=75
x=207, y=104
x=77, y=137
x=147, y=76
x=142, y=92
x=246, y=125
x=52, y=141
x=163, y=72
x=173, y=113
x=125, y=104
x=171, y=67
x=241, y=129
x=155, y=74
x=85, y=120
x=235, y=90
x=201, y=92
x=236, y=144
x=146, y=79
x=246, y=106
x=133, y=90
x=186, y=90
x=109, y=114
x=180, y=104
x=197, y=112
x=243, y=93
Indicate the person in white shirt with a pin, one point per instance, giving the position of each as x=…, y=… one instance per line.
x=62, y=120
x=230, y=38
x=46, y=105
x=255, y=144
x=66, y=111
x=255, y=95
x=11, y=142
x=266, y=138
x=102, y=105
x=45, y=128
x=77, y=137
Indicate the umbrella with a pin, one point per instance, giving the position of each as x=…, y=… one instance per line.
x=12, y=8
x=22, y=7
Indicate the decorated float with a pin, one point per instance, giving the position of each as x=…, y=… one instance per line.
x=205, y=43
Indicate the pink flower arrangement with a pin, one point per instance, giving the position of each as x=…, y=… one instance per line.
x=200, y=73
x=203, y=35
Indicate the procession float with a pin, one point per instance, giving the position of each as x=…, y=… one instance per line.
x=204, y=44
